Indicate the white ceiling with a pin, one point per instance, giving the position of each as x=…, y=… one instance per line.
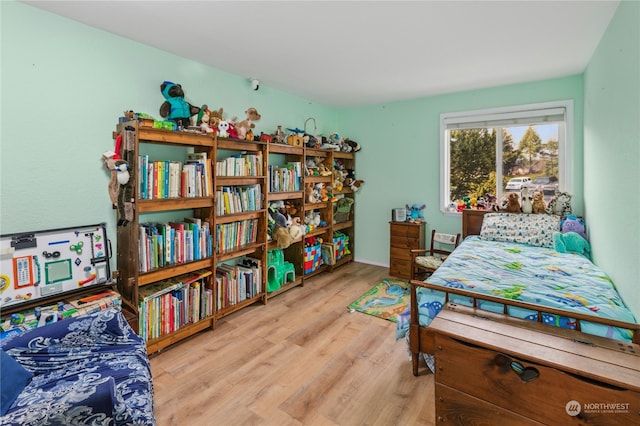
x=354, y=53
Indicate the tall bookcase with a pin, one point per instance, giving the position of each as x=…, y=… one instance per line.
x=240, y=231
x=231, y=267
x=134, y=245
x=279, y=156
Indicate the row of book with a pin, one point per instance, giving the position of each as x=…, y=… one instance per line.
x=236, y=283
x=240, y=165
x=230, y=236
x=166, y=306
x=174, y=179
x=164, y=244
x=285, y=178
x=237, y=199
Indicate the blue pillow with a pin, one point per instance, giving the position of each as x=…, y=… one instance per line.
x=14, y=378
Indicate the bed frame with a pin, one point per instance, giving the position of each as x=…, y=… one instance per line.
x=421, y=339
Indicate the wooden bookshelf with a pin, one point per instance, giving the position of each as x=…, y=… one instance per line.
x=219, y=150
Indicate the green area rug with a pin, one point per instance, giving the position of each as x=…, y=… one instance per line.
x=387, y=299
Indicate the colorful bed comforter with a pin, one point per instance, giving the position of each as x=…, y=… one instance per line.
x=529, y=274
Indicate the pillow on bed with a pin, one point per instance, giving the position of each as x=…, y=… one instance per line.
x=14, y=379
x=532, y=229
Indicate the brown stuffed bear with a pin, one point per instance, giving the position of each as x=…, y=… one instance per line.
x=513, y=205
x=539, y=206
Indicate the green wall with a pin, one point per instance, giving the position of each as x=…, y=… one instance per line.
x=612, y=152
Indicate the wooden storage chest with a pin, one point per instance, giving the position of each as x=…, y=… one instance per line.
x=492, y=369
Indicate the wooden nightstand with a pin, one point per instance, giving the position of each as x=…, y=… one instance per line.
x=404, y=237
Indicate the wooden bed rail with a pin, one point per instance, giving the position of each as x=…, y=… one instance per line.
x=634, y=328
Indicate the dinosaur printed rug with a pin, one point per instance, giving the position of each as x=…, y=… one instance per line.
x=387, y=299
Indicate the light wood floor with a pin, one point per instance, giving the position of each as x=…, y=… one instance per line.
x=301, y=359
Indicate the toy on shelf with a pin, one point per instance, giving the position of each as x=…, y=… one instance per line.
x=175, y=107
x=279, y=271
x=246, y=125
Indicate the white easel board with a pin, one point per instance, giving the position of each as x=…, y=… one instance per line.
x=43, y=264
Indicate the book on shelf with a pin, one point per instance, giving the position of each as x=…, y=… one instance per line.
x=239, y=282
x=164, y=244
x=236, y=199
x=240, y=165
x=174, y=179
x=167, y=305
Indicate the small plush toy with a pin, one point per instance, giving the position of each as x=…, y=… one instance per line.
x=502, y=206
x=175, y=107
x=560, y=204
x=277, y=216
x=282, y=237
x=571, y=242
x=575, y=224
x=204, y=124
x=538, y=204
x=247, y=124
x=355, y=146
x=415, y=211
x=527, y=200
x=513, y=205
x=223, y=129
x=356, y=184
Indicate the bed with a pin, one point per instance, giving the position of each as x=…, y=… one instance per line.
x=506, y=265
x=91, y=369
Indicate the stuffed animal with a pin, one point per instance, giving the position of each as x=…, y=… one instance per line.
x=513, y=205
x=355, y=146
x=415, y=211
x=175, y=107
x=571, y=242
x=277, y=216
x=204, y=124
x=560, y=204
x=575, y=224
x=527, y=199
x=538, y=204
x=282, y=237
x=356, y=184
x=502, y=206
x=296, y=230
x=247, y=124
x=223, y=129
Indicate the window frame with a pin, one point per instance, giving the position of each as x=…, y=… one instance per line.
x=565, y=142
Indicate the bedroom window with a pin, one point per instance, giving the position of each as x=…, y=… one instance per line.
x=493, y=152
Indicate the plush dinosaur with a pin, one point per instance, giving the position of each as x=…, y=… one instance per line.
x=571, y=242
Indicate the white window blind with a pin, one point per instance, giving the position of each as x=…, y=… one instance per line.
x=506, y=119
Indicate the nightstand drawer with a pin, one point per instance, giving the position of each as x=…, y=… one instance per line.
x=400, y=253
x=408, y=243
x=498, y=379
